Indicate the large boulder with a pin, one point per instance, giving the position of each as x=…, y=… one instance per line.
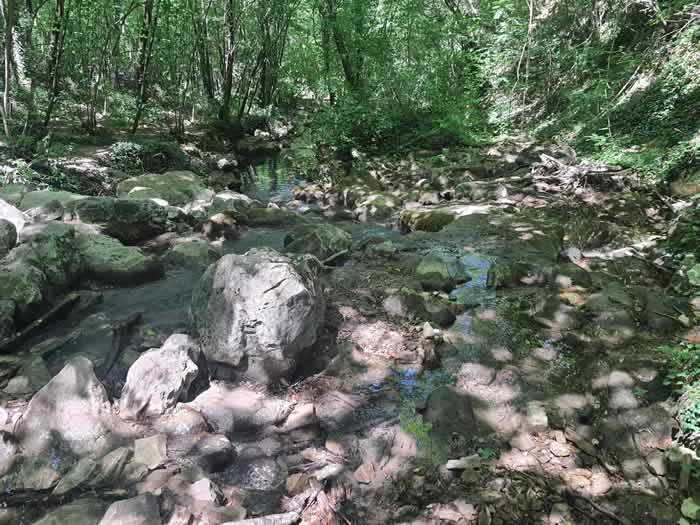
x=26, y=286
x=107, y=260
x=258, y=312
x=12, y=215
x=427, y=221
x=87, y=511
x=191, y=254
x=129, y=220
x=178, y=188
x=54, y=251
x=163, y=376
x=272, y=217
x=8, y=237
x=321, y=240
x=449, y=411
x=46, y=198
x=377, y=206
x=71, y=414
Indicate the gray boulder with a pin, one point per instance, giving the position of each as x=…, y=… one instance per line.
x=163, y=376
x=141, y=510
x=129, y=220
x=258, y=312
x=8, y=237
x=47, y=199
x=71, y=413
x=12, y=215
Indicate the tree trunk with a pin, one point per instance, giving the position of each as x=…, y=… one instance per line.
x=58, y=36
x=145, y=46
x=8, y=12
x=230, y=19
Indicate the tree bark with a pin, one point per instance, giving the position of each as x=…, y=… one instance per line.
x=58, y=36
x=8, y=12
x=144, y=58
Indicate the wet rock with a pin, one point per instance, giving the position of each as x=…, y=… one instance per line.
x=258, y=312
x=162, y=377
x=7, y=319
x=54, y=251
x=428, y=221
x=31, y=377
x=178, y=188
x=272, y=217
x=141, y=510
x=48, y=199
x=82, y=472
x=191, y=254
x=422, y=305
x=128, y=220
x=111, y=467
x=321, y=240
x=210, y=452
x=376, y=206
x=107, y=260
x=336, y=411
x=227, y=408
x=86, y=511
x=181, y=420
x=71, y=412
x=440, y=272
x=151, y=451
x=9, y=450
x=13, y=193
x=26, y=286
x=381, y=250
x=449, y=411
x=612, y=310
x=8, y=237
x=231, y=201
x=261, y=477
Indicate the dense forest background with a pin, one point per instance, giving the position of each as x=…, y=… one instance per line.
x=619, y=80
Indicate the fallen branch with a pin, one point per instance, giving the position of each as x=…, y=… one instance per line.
x=335, y=256
x=62, y=307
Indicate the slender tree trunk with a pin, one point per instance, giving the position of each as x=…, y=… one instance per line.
x=57, y=44
x=8, y=11
x=144, y=58
x=230, y=48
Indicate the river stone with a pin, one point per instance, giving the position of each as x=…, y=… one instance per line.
x=7, y=318
x=141, y=510
x=428, y=221
x=129, y=220
x=191, y=254
x=210, y=452
x=79, y=512
x=77, y=476
x=54, y=251
x=321, y=240
x=259, y=312
x=440, y=272
x=151, y=451
x=8, y=237
x=231, y=201
x=272, y=217
x=450, y=412
x=13, y=193
x=376, y=206
x=9, y=451
x=107, y=260
x=15, y=217
x=177, y=188
x=263, y=479
x=31, y=377
x=48, y=199
x=163, y=376
x=72, y=412
x=26, y=286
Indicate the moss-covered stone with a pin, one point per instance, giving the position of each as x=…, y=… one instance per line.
x=177, y=188
x=24, y=285
x=272, y=217
x=192, y=254
x=321, y=240
x=440, y=272
x=428, y=221
x=43, y=199
x=107, y=260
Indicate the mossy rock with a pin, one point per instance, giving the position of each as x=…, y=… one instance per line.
x=107, y=260
x=321, y=240
x=13, y=193
x=192, y=254
x=440, y=272
x=272, y=217
x=26, y=286
x=43, y=199
x=427, y=221
x=177, y=188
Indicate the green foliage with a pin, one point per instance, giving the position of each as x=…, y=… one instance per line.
x=127, y=157
x=689, y=412
x=682, y=365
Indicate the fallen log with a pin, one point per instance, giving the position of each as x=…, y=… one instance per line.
x=62, y=307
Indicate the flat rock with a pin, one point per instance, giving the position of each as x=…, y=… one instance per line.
x=141, y=510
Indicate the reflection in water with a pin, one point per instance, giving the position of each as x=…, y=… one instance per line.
x=268, y=179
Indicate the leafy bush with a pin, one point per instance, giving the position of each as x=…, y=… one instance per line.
x=682, y=365
x=158, y=157
x=127, y=157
